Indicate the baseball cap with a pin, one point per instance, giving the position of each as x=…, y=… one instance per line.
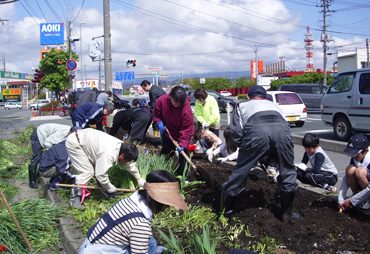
x=356, y=144
x=257, y=91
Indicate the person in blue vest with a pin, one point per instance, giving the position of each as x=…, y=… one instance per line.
x=91, y=113
x=56, y=164
x=126, y=228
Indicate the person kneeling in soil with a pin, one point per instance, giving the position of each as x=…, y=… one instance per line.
x=44, y=137
x=357, y=175
x=93, y=152
x=91, y=113
x=229, y=148
x=134, y=120
x=56, y=165
x=259, y=128
x=208, y=140
x=125, y=228
x=323, y=173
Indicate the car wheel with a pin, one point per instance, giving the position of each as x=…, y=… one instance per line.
x=7, y=108
x=342, y=128
x=299, y=124
x=192, y=108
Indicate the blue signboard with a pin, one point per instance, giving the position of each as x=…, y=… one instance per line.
x=51, y=33
x=128, y=75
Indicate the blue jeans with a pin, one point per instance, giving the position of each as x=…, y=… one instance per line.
x=90, y=248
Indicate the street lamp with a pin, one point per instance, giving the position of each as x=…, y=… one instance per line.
x=81, y=23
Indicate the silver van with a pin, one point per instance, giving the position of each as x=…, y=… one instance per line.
x=311, y=94
x=346, y=105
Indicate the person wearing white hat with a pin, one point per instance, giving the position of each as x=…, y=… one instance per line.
x=125, y=228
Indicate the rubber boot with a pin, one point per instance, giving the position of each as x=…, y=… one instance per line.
x=227, y=204
x=75, y=200
x=287, y=198
x=32, y=177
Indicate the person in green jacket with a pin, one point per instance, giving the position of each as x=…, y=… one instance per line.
x=207, y=111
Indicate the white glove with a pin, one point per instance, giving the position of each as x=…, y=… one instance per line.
x=140, y=182
x=210, y=154
x=205, y=125
x=112, y=189
x=160, y=249
x=222, y=160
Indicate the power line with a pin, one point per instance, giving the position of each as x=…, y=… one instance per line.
x=53, y=11
x=41, y=10
x=78, y=12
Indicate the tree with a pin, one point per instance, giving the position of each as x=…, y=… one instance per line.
x=211, y=83
x=244, y=82
x=53, y=65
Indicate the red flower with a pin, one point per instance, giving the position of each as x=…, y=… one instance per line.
x=3, y=248
x=191, y=148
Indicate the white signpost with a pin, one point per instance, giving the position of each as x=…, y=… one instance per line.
x=155, y=74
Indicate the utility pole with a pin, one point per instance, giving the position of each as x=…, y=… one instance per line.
x=325, y=37
x=82, y=79
x=99, y=85
x=107, y=48
x=255, y=51
x=69, y=50
x=367, y=53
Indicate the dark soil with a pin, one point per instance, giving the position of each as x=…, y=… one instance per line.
x=321, y=229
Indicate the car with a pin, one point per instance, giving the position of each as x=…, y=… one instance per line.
x=226, y=93
x=291, y=105
x=311, y=94
x=9, y=105
x=222, y=101
x=73, y=96
x=38, y=104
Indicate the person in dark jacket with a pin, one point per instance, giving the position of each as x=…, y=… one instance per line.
x=258, y=128
x=88, y=96
x=134, y=120
x=154, y=93
x=91, y=113
x=174, y=112
x=103, y=98
x=55, y=164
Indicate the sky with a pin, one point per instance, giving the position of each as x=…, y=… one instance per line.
x=186, y=36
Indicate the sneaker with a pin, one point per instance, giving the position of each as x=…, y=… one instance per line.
x=54, y=182
x=330, y=188
x=365, y=205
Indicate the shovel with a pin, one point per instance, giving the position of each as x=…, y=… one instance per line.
x=182, y=152
x=90, y=187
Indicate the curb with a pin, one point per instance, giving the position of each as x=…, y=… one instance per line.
x=326, y=144
x=70, y=235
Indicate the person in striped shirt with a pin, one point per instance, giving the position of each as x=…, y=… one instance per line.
x=125, y=228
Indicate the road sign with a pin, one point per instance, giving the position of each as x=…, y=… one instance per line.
x=71, y=72
x=119, y=76
x=71, y=65
x=155, y=68
x=128, y=75
x=12, y=98
x=202, y=80
x=12, y=91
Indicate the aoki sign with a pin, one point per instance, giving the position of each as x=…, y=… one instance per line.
x=51, y=33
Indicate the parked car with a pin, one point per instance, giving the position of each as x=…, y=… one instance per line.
x=346, y=105
x=222, y=101
x=73, y=96
x=292, y=106
x=9, y=105
x=38, y=104
x=226, y=93
x=311, y=94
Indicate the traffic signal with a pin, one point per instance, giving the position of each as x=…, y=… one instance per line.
x=131, y=62
x=93, y=50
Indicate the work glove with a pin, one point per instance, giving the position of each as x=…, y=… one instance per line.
x=210, y=154
x=222, y=160
x=140, y=182
x=161, y=127
x=180, y=149
x=160, y=249
x=205, y=125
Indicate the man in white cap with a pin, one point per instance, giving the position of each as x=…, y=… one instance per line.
x=125, y=228
x=258, y=128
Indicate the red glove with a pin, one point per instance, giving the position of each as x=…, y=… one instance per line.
x=191, y=148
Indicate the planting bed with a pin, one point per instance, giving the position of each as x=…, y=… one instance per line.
x=321, y=229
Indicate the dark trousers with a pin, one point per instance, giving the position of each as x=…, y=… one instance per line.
x=36, y=149
x=260, y=138
x=141, y=122
x=315, y=179
x=169, y=148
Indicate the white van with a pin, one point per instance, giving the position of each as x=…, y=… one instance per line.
x=346, y=105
